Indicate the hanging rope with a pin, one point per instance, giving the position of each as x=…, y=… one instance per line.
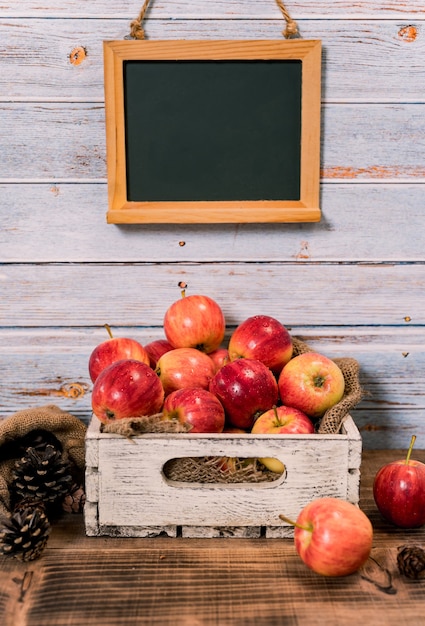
x=291, y=29
x=137, y=32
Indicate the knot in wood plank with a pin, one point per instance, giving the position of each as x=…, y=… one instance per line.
x=408, y=33
x=77, y=55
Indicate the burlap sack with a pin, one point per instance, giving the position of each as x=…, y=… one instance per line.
x=16, y=429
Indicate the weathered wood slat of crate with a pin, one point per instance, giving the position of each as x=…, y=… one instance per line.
x=355, y=51
x=59, y=142
x=355, y=236
x=125, y=478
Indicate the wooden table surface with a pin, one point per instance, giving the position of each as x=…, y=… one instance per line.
x=205, y=582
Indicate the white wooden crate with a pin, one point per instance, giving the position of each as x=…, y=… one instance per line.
x=128, y=495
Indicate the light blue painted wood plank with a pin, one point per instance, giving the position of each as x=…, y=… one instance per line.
x=138, y=294
x=360, y=222
x=221, y=9
x=362, y=60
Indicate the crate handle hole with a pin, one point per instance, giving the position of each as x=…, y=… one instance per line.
x=223, y=471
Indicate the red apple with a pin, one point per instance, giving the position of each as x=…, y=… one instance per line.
x=115, y=349
x=245, y=388
x=279, y=421
x=197, y=407
x=283, y=419
x=399, y=491
x=126, y=388
x=195, y=322
x=311, y=383
x=219, y=357
x=263, y=338
x=156, y=349
x=185, y=368
x=333, y=537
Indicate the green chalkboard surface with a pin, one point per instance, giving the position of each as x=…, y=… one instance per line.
x=213, y=130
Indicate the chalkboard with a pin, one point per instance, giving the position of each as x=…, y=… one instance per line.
x=221, y=131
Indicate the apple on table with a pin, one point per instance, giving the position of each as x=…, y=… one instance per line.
x=333, y=537
x=399, y=491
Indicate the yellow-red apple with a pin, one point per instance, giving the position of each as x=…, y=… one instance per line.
x=312, y=383
x=195, y=321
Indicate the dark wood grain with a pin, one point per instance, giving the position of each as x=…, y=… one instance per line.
x=205, y=582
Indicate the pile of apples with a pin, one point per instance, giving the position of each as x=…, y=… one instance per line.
x=252, y=384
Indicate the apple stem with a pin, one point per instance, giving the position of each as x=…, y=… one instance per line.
x=292, y=523
x=409, y=452
x=276, y=415
x=183, y=292
x=108, y=328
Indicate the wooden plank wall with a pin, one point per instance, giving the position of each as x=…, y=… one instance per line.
x=351, y=285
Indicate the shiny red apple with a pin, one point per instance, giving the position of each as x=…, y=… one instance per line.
x=115, y=349
x=185, y=368
x=333, y=537
x=263, y=338
x=197, y=407
x=245, y=388
x=312, y=383
x=219, y=357
x=126, y=388
x=195, y=321
x=399, y=491
x=156, y=349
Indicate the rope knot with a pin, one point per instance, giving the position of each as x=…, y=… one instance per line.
x=136, y=30
x=291, y=30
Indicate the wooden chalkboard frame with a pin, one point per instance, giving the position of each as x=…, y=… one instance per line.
x=123, y=211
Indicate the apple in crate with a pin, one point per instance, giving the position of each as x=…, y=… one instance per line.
x=263, y=338
x=115, y=349
x=156, y=349
x=185, y=368
x=245, y=388
x=312, y=383
x=197, y=407
x=399, y=491
x=280, y=421
x=127, y=388
x=333, y=537
x=219, y=357
x=195, y=321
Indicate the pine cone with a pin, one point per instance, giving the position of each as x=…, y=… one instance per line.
x=41, y=474
x=25, y=534
x=75, y=500
x=38, y=439
x=411, y=561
